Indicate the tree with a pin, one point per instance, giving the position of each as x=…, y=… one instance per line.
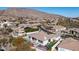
x=21, y=44
x=50, y=45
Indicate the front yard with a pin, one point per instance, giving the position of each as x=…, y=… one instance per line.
x=50, y=45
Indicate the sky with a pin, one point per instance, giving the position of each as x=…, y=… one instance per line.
x=64, y=11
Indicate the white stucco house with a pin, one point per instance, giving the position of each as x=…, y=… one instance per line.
x=59, y=28
x=18, y=32
x=4, y=23
x=41, y=37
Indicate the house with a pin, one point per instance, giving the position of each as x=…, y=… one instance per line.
x=68, y=44
x=18, y=32
x=42, y=38
x=59, y=28
x=74, y=31
x=4, y=24
x=52, y=29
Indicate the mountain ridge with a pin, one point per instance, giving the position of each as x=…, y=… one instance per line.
x=24, y=12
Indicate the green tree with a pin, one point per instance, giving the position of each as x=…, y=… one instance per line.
x=50, y=45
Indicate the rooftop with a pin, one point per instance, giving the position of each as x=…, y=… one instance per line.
x=42, y=35
x=58, y=27
x=74, y=29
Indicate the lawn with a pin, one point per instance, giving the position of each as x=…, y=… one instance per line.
x=28, y=29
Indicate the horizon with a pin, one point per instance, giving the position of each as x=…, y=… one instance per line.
x=64, y=11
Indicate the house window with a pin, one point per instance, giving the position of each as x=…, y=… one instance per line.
x=56, y=48
x=49, y=40
x=29, y=37
x=34, y=38
x=40, y=41
x=72, y=32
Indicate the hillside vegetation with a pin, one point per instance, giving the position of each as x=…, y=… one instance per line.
x=68, y=23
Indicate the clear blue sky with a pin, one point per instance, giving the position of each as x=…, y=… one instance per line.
x=65, y=11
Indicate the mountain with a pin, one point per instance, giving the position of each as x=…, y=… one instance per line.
x=20, y=13
x=1, y=12
x=28, y=12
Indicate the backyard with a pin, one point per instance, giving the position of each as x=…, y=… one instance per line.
x=28, y=29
